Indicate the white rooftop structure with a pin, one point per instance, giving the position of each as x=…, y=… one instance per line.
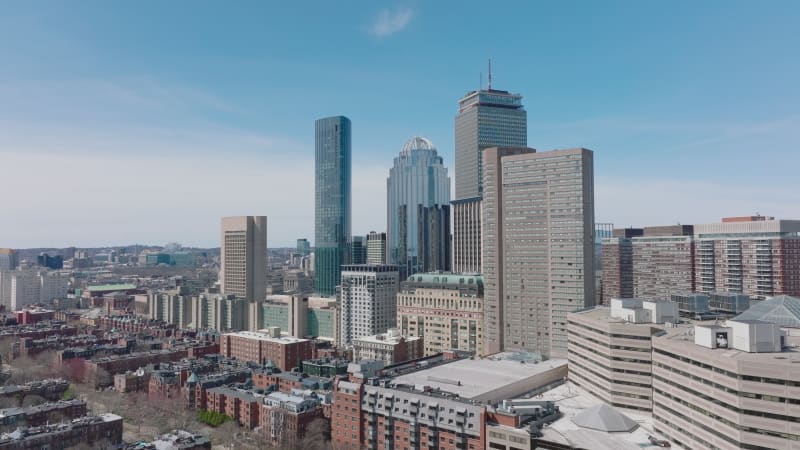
x=573, y=400
x=604, y=418
x=266, y=335
x=486, y=380
x=392, y=336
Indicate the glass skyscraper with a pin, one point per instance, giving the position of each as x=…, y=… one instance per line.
x=332, y=201
x=418, y=210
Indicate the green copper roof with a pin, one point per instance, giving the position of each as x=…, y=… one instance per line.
x=111, y=287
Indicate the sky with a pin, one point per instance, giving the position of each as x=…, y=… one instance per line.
x=147, y=121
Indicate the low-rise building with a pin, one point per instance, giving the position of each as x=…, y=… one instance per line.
x=99, y=431
x=38, y=415
x=266, y=345
x=284, y=417
x=390, y=347
x=324, y=367
x=174, y=440
x=439, y=404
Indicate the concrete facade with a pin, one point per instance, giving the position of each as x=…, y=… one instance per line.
x=538, y=246
x=243, y=256
x=367, y=300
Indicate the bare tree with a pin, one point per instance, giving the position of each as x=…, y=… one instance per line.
x=317, y=435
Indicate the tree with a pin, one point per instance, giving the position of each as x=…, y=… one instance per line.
x=317, y=435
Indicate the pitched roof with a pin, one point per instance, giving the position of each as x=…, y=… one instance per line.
x=781, y=310
x=604, y=418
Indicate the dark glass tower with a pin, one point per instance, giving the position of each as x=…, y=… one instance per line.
x=332, y=198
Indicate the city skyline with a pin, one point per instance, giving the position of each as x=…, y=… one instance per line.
x=672, y=114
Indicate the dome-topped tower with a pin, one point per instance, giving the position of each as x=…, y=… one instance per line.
x=418, y=209
x=417, y=143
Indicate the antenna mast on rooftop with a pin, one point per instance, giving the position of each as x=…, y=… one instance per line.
x=490, y=74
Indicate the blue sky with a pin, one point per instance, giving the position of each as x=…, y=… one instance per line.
x=146, y=121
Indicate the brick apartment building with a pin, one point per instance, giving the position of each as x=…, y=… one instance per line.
x=754, y=255
x=88, y=430
x=259, y=347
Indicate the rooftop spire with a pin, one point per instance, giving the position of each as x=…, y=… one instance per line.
x=490, y=74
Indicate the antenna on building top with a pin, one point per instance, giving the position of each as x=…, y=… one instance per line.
x=480, y=84
x=490, y=74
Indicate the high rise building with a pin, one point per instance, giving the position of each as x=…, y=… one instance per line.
x=333, y=201
x=538, y=246
x=467, y=235
x=418, y=211
x=486, y=118
x=367, y=300
x=755, y=256
x=303, y=247
x=616, y=256
x=358, y=250
x=758, y=256
x=663, y=262
x=25, y=287
x=376, y=248
x=243, y=255
x=51, y=262
x=8, y=259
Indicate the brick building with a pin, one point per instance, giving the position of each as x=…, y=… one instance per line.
x=88, y=430
x=260, y=347
x=38, y=415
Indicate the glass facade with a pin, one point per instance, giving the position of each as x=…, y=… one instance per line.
x=332, y=201
x=418, y=211
x=321, y=322
x=486, y=118
x=303, y=247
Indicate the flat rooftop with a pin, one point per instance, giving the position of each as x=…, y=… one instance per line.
x=685, y=333
x=573, y=400
x=263, y=336
x=473, y=378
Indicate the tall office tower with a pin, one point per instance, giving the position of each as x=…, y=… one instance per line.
x=376, y=248
x=538, y=246
x=51, y=262
x=243, y=271
x=418, y=213
x=617, y=263
x=8, y=259
x=663, y=262
x=367, y=300
x=433, y=237
x=332, y=197
x=303, y=247
x=601, y=231
x=358, y=250
x=486, y=118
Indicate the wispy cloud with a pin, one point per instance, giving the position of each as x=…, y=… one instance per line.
x=391, y=21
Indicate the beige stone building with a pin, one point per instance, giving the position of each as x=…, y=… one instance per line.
x=727, y=387
x=243, y=254
x=538, y=246
x=444, y=309
x=611, y=357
